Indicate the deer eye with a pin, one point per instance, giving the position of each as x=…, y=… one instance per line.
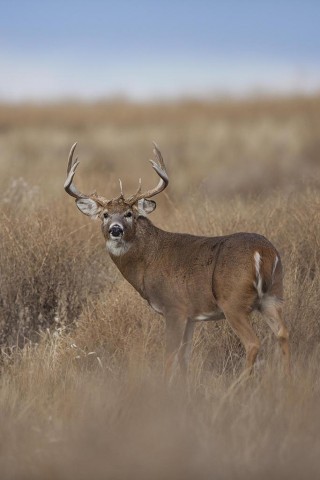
x=106, y=214
x=128, y=215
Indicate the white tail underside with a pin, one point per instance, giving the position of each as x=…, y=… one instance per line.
x=258, y=282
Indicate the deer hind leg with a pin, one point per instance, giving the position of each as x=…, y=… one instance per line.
x=272, y=311
x=239, y=322
x=178, y=347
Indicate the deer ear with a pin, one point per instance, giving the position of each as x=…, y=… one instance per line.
x=146, y=206
x=89, y=207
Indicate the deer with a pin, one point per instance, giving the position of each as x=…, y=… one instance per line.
x=188, y=278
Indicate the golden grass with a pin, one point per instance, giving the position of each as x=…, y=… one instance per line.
x=84, y=397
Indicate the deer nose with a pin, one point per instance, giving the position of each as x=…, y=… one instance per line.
x=116, y=230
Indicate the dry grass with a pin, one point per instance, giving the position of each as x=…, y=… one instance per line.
x=84, y=397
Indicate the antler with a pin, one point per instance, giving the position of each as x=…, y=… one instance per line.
x=69, y=186
x=160, y=168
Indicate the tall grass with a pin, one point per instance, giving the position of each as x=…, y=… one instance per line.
x=47, y=272
x=81, y=388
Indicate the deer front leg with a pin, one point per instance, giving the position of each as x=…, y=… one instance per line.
x=179, y=335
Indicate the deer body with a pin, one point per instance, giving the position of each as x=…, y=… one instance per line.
x=189, y=278
x=190, y=269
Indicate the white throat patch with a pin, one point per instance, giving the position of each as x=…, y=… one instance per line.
x=117, y=247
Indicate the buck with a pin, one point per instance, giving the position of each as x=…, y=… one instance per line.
x=188, y=278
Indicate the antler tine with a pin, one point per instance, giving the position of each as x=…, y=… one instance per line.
x=158, y=155
x=160, y=168
x=139, y=189
x=70, y=158
x=120, y=197
x=121, y=189
x=69, y=186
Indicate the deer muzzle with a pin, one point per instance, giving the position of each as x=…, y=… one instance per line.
x=115, y=230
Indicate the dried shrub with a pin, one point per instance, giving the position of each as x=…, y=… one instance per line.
x=48, y=270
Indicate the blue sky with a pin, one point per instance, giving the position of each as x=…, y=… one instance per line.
x=145, y=49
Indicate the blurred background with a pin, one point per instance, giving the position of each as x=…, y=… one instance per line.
x=229, y=90
x=146, y=50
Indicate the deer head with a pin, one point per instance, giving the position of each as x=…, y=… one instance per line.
x=118, y=215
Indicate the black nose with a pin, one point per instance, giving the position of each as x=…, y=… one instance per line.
x=116, y=230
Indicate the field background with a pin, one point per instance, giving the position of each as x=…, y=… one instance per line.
x=81, y=391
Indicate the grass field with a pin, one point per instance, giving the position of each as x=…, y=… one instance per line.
x=81, y=389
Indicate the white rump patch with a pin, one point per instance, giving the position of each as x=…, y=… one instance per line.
x=275, y=266
x=117, y=247
x=258, y=281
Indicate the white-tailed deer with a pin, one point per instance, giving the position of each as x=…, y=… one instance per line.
x=188, y=278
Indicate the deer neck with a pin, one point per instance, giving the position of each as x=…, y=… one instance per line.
x=136, y=256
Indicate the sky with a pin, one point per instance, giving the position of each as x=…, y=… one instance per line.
x=157, y=49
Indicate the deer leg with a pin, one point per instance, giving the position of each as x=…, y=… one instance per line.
x=178, y=347
x=239, y=322
x=272, y=311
